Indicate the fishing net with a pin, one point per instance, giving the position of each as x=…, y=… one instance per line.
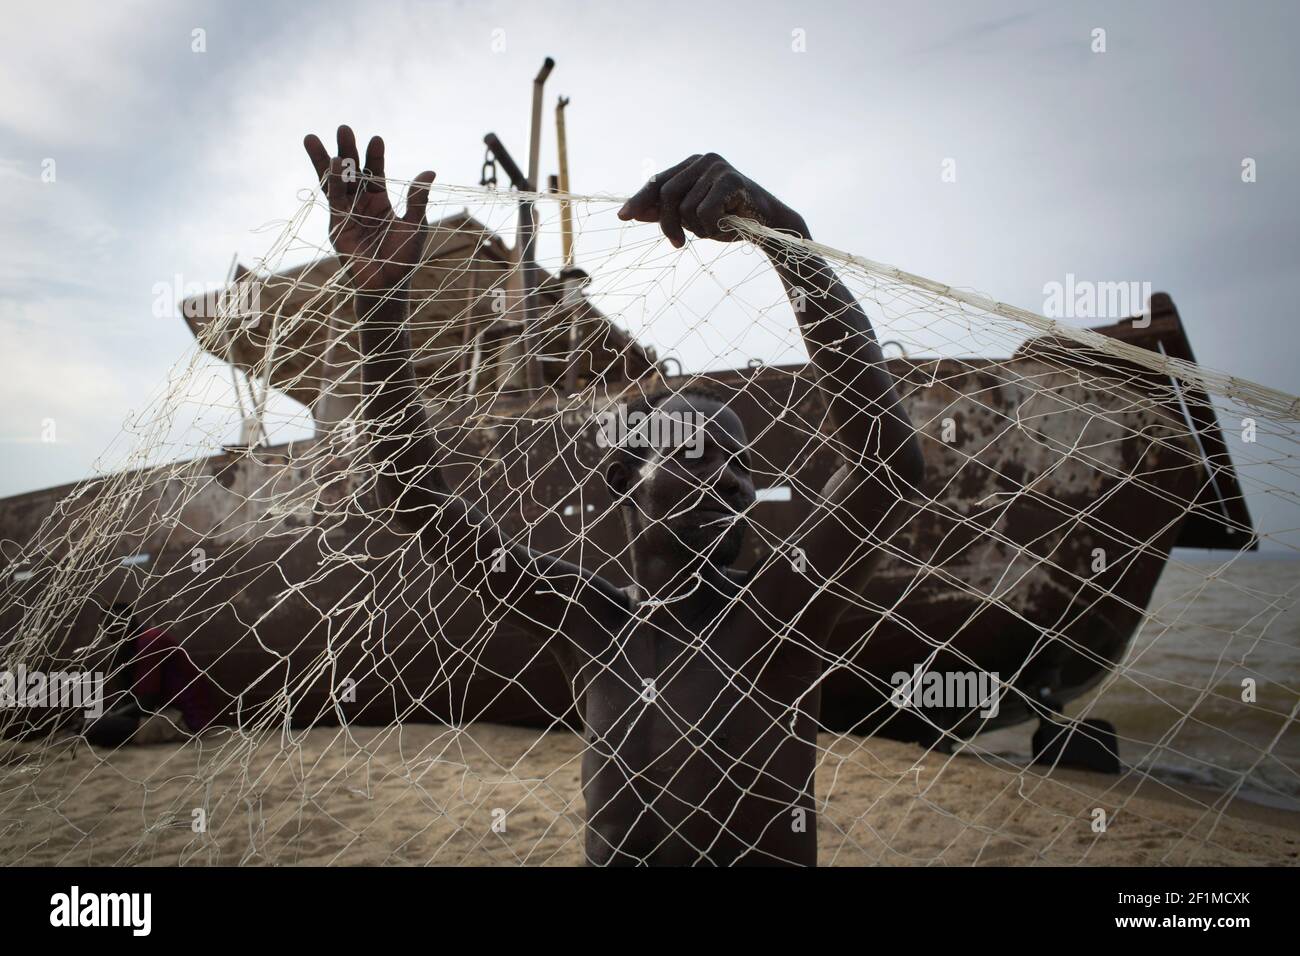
x=359, y=703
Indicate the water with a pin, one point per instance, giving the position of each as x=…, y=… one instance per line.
x=1215, y=621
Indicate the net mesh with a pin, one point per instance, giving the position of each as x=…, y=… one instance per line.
x=318, y=686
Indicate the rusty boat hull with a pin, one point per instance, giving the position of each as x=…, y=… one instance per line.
x=274, y=570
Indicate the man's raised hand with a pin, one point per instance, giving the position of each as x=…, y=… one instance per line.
x=379, y=249
x=698, y=193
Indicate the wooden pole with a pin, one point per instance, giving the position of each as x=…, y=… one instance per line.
x=526, y=253
x=535, y=139
x=566, y=211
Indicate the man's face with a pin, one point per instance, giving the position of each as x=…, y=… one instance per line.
x=695, y=485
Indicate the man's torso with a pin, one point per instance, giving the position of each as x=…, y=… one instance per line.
x=700, y=740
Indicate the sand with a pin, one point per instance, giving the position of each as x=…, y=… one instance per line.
x=425, y=794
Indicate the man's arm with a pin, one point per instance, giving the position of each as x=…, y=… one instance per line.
x=868, y=498
x=380, y=252
x=538, y=593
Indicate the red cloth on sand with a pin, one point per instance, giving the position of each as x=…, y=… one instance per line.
x=164, y=673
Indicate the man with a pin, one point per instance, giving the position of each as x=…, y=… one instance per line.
x=699, y=687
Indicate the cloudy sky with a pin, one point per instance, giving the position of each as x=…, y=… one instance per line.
x=1122, y=165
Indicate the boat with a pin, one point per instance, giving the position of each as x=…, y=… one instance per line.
x=276, y=571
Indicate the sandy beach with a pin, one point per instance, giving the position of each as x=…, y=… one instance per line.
x=426, y=794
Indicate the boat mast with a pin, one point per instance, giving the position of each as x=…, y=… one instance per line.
x=535, y=135
x=566, y=211
x=527, y=272
x=573, y=278
x=525, y=250
x=530, y=275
